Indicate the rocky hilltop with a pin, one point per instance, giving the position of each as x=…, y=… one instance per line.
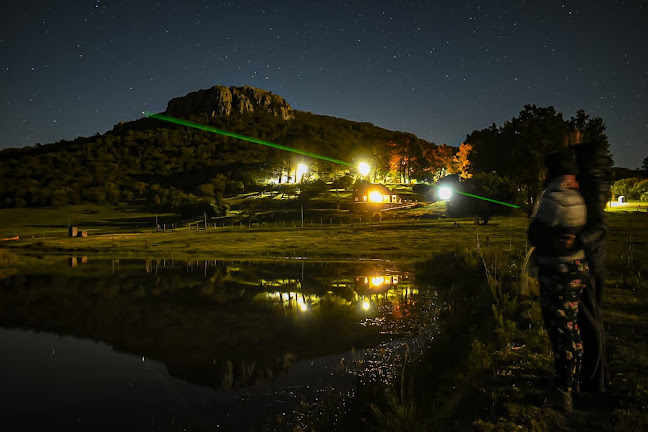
x=224, y=101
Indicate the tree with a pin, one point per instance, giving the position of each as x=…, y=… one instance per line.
x=644, y=165
x=440, y=161
x=462, y=162
x=516, y=150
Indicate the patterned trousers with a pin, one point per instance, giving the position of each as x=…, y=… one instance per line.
x=561, y=286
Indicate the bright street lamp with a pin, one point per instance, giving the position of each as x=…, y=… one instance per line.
x=445, y=193
x=301, y=170
x=364, y=168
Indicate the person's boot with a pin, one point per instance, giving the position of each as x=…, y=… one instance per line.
x=557, y=398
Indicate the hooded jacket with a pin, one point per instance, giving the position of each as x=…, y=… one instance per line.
x=560, y=210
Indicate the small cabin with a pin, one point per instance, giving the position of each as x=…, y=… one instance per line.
x=374, y=193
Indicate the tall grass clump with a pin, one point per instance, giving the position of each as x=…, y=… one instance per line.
x=400, y=411
x=502, y=272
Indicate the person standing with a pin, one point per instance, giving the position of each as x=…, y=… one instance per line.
x=595, y=179
x=559, y=216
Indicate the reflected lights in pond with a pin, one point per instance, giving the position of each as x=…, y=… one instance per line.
x=296, y=300
x=378, y=281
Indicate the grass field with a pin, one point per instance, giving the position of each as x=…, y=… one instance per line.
x=626, y=207
x=128, y=232
x=53, y=222
x=403, y=235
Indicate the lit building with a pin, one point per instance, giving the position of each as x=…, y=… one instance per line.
x=374, y=193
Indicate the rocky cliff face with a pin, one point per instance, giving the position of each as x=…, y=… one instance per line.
x=224, y=101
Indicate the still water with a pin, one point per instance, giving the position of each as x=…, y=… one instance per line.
x=96, y=344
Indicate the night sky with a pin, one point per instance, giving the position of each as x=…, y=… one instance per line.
x=437, y=69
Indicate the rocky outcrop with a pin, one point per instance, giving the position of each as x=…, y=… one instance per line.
x=224, y=101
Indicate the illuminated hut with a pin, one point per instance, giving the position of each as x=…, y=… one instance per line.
x=374, y=193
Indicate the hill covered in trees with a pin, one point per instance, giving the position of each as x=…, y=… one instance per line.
x=175, y=166
x=185, y=169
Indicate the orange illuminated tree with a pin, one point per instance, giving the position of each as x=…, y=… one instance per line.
x=462, y=162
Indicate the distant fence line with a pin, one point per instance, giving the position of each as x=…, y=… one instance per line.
x=199, y=224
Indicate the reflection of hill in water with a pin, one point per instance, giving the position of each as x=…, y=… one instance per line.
x=217, y=324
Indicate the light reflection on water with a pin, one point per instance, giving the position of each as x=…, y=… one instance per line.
x=253, y=331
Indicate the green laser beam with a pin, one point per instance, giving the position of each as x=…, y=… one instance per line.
x=487, y=199
x=244, y=138
x=283, y=147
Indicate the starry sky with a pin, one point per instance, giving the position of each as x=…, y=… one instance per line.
x=438, y=69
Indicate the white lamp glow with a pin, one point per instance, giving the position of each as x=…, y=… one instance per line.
x=364, y=168
x=301, y=170
x=445, y=193
x=375, y=197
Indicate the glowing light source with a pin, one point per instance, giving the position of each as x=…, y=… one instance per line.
x=445, y=193
x=364, y=168
x=301, y=170
x=375, y=196
x=377, y=281
x=366, y=305
x=303, y=307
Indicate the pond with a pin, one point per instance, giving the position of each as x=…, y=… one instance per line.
x=101, y=344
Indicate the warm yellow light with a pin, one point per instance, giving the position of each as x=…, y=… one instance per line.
x=375, y=196
x=366, y=305
x=377, y=281
x=303, y=307
x=364, y=168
